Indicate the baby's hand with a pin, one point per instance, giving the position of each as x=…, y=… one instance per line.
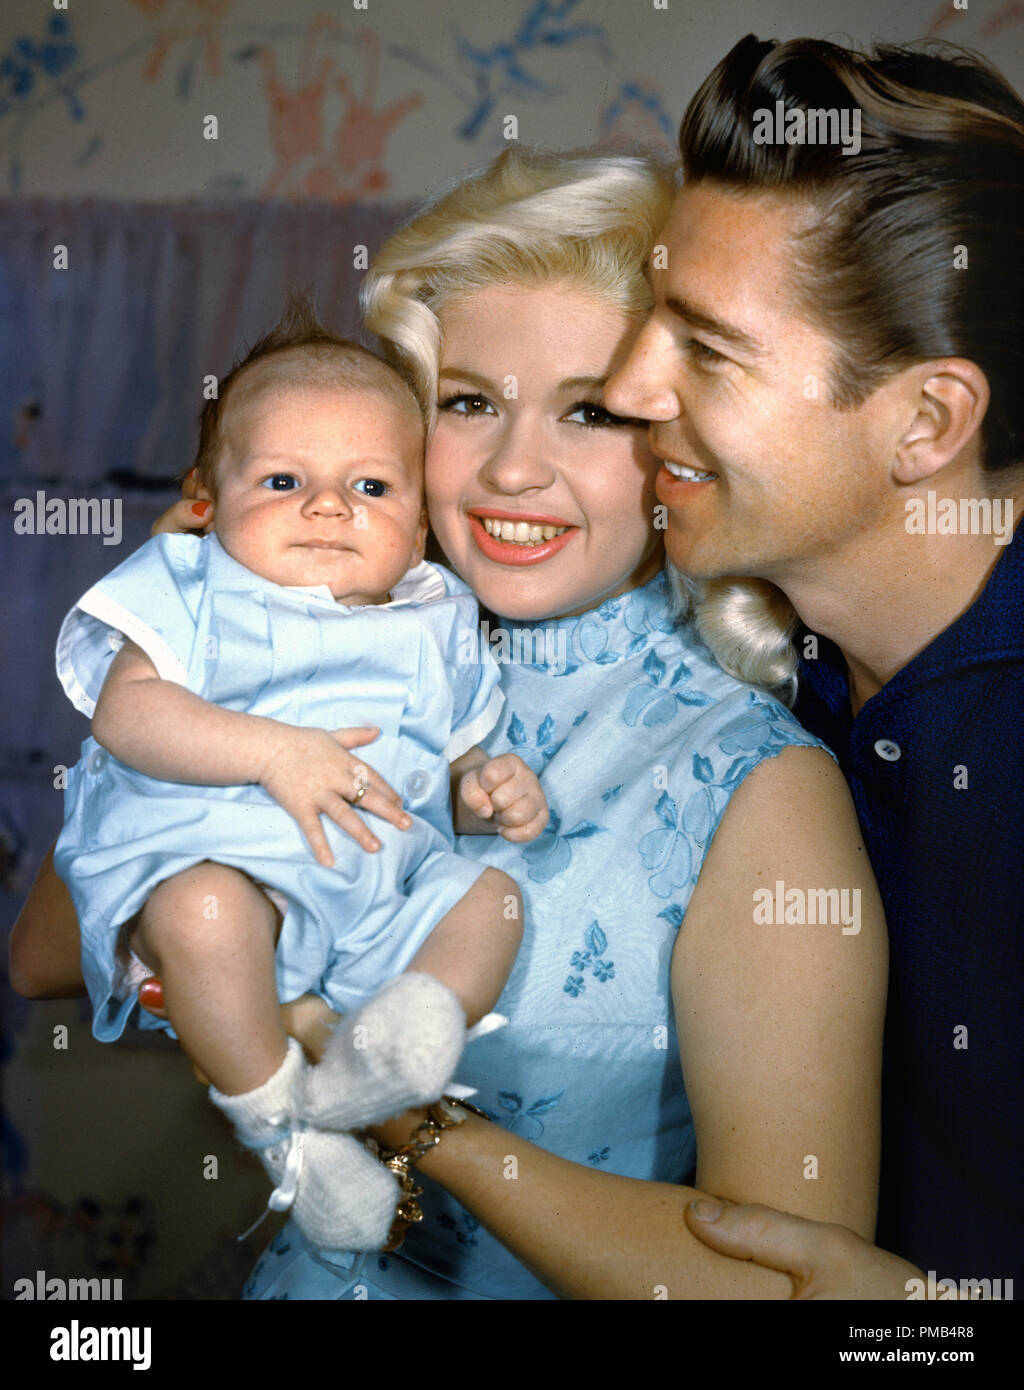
x=506, y=789
x=310, y=773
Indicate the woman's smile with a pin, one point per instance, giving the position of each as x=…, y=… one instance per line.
x=514, y=539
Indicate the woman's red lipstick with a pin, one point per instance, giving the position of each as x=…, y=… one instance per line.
x=510, y=553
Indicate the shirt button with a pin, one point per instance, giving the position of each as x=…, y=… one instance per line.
x=415, y=785
x=891, y=752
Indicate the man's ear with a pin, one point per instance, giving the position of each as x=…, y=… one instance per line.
x=950, y=398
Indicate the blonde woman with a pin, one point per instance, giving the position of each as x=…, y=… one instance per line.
x=669, y=1034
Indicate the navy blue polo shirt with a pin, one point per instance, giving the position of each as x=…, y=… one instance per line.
x=935, y=762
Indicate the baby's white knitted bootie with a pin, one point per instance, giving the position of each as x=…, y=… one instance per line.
x=398, y=1051
x=340, y=1196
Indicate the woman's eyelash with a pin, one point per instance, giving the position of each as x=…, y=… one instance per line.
x=461, y=397
x=607, y=418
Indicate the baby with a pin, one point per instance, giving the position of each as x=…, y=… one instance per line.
x=210, y=831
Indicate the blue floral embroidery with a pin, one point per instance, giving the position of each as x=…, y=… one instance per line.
x=526, y=1119
x=669, y=851
x=673, y=915
x=653, y=702
x=470, y=1224
x=755, y=735
x=599, y=1156
x=591, y=638
x=648, y=611
x=551, y=853
x=595, y=941
x=538, y=754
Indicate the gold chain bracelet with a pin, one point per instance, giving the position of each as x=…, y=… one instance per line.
x=444, y=1114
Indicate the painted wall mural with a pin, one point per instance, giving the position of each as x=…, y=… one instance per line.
x=359, y=99
x=333, y=90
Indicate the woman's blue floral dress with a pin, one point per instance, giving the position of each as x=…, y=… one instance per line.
x=639, y=739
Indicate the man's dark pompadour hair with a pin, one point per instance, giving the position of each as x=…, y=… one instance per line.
x=917, y=246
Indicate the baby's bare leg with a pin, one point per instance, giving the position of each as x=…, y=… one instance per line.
x=402, y=1047
x=209, y=933
x=473, y=947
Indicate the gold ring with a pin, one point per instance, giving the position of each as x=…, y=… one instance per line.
x=359, y=795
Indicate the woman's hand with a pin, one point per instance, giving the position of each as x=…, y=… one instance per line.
x=310, y=773
x=311, y=1021
x=192, y=514
x=506, y=793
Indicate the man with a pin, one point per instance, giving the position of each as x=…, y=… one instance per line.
x=832, y=375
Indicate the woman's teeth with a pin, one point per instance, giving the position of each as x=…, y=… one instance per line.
x=680, y=470
x=520, y=532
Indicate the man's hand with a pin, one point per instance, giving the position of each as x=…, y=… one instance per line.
x=505, y=791
x=823, y=1261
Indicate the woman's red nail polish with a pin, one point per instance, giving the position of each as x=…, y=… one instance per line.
x=200, y=508
x=151, y=994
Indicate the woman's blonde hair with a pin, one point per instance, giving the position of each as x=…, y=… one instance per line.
x=583, y=219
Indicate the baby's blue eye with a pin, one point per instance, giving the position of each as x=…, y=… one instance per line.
x=371, y=487
x=280, y=482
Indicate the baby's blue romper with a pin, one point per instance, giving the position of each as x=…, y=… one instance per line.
x=639, y=739
x=411, y=667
